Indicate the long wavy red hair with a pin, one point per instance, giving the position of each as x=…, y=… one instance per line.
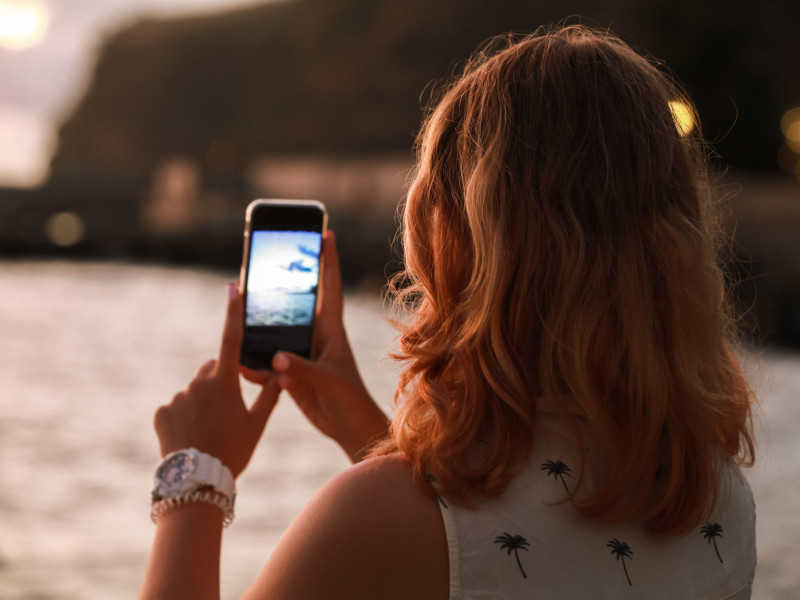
x=561, y=240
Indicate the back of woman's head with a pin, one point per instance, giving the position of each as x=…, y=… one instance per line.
x=560, y=241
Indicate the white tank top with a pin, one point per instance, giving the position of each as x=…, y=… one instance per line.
x=521, y=545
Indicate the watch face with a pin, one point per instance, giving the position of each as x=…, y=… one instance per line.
x=176, y=468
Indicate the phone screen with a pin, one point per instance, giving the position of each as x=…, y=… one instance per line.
x=281, y=279
x=284, y=274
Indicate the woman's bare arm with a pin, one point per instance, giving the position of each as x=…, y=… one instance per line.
x=184, y=560
x=369, y=533
x=211, y=416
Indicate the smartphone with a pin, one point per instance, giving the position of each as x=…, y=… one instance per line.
x=280, y=278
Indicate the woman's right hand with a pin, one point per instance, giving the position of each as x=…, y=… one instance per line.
x=329, y=389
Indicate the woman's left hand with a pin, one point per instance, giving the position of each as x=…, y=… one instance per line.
x=211, y=414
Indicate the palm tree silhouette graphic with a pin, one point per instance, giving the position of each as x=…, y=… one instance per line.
x=710, y=532
x=557, y=469
x=623, y=551
x=513, y=542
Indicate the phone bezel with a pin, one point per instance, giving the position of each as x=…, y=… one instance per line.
x=268, y=214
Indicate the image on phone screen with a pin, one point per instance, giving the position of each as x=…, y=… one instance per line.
x=283, y=278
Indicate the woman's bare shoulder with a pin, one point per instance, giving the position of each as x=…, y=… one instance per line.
x=370, y=532
x=381, y=475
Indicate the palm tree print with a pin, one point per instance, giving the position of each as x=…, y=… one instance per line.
x=557, y=469
x=513, y=542
x=623, y=551
x=710, y=532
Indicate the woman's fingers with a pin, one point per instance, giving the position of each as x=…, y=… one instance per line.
x=257, y=376
x=302, y=395
x=330, y=306
x=335, y=401
x=207, y=369
x=270, y=389
x=232, y=334
x=308, y=384
x=298, y=368
x=264, y=404
x=211, y=414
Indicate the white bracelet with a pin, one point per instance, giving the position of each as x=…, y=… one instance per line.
x=208, y=496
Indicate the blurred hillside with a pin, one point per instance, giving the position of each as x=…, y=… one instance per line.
x=347, y=76
x=326, y=77
x=186, y=120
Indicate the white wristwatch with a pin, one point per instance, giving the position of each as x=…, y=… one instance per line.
x=186, y=476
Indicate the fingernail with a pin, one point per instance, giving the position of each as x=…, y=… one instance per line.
x=233, y=291
x=280, y=362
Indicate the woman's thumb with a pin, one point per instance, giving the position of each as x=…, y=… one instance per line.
x=300, y=369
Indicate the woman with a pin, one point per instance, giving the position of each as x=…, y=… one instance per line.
x=569, y=394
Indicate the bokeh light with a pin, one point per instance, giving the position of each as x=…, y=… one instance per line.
x=65, y=229
x=683, y=116
x=790, y=126
x=23, y=23
x=787, y=159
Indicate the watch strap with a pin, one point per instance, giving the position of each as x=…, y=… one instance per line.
x=211, y=471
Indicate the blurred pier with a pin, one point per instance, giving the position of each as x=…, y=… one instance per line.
x=179, y=218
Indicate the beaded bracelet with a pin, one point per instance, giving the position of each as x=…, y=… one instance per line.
x=206, y=496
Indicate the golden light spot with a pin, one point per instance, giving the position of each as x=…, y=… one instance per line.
x=65, y=229
x=793, y=132
x=683, y=116
x=790, y=126
x=787, y=159
x=22, y=23
x=790, y=118
x=223, y=156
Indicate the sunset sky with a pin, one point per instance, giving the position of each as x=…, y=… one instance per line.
x=47, y=51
